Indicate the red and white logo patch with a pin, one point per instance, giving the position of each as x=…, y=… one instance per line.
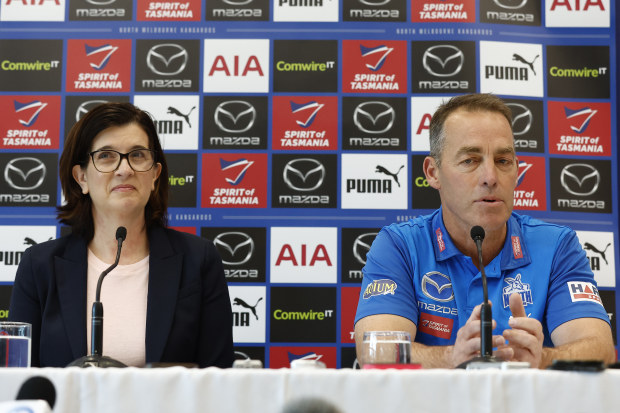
x=435, y=325
x=583, y=291
x=516, y=247
x=440, y=243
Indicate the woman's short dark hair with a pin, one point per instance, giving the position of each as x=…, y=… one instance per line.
x=475, y=102
x=77, y=211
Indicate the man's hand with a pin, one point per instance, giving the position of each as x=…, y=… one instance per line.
x=467, y=344
x=526, y=336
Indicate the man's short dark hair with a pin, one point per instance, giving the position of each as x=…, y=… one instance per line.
x=77, y=211
x=476, y=102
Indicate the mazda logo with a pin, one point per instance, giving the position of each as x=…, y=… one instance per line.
x=580, y=179
x=167, y=59
x=361, y=246
x=437, y=286
x=25, y=173
x=304, y=174
x=237, y=2
x=522, y=118
x=374, y=117
x=100, y=2
x=235, y=116
x=374, y=2
x=86, y=106
x=236, y=248
x=510, y=4
x=443, y=60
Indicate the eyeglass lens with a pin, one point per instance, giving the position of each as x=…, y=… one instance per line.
x=140, y=160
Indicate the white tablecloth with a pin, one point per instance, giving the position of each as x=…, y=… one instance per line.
x=178, y=389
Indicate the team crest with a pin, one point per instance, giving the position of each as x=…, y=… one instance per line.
x=515, y=285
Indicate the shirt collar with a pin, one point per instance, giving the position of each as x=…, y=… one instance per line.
x=514, y=252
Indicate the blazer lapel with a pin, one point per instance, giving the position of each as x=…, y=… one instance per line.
x=165, y=268
x=70, y=271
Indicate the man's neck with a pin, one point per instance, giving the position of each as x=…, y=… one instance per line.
x=491, y=246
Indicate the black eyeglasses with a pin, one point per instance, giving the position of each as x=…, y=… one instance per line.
x=108, y=160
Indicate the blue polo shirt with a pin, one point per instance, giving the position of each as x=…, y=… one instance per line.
x=414, y=270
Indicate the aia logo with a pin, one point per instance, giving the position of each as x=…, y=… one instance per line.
x=237, y=66
x=375, y=56
x=28, y=112
x=305, y=113
x=99, y=56
x=232, y=65
x=304, y=255
x=578, y=13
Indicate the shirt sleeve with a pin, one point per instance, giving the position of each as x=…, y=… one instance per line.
x=387, y=284
x=573, y=292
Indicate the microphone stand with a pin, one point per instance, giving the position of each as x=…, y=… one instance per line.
x=486, y=314
x=96, y=358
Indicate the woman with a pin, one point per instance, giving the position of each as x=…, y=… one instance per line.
x=167, y=301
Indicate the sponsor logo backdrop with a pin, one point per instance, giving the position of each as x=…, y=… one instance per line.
x=290, y=145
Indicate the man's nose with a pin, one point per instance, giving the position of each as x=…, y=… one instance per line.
x=488, y=173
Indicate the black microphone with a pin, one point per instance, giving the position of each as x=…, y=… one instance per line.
x=96, y=357
x=38, y=388
x=486, y=316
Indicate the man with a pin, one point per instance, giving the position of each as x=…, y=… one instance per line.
x=422, y=276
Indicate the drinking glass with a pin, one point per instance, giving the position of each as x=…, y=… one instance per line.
x=385, y=347
x=15, y=344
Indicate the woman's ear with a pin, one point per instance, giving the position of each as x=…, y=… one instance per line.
x=79, y=174
x=157, y=173
x=431, y=171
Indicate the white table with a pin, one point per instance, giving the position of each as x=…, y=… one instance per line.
x=178, y=389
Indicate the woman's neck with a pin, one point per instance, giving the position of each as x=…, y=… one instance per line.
x=135, y=247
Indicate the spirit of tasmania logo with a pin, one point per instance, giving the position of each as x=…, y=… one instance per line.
x=30, y=122
x=98, y=65
x=235, y=180
x=305, y=122
x=374, y=66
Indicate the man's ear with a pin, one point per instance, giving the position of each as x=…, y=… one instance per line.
x=79, y=175
x=431, y=171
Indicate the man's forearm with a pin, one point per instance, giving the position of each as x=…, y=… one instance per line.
x=432, y=356
x=584, y=349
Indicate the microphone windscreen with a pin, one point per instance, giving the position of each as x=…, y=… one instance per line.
x=309, y=405
x=37, y=388
x=477, y=232
x=121, y=232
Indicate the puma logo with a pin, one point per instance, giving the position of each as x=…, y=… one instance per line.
x=239, y=301
x=382, y=170
x=589, y=247
x=174, y=111
x=522, y=60
x=30, y=241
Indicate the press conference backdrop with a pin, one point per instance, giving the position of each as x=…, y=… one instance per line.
x=296, y=129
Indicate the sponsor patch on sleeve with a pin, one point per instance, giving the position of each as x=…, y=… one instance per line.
x=435, y=325
x=583, y=291
x=380, y=287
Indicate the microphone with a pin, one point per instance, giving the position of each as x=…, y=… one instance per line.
x=38, y=388
x=486, y=316
x=36, y=395
x=96, y=357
